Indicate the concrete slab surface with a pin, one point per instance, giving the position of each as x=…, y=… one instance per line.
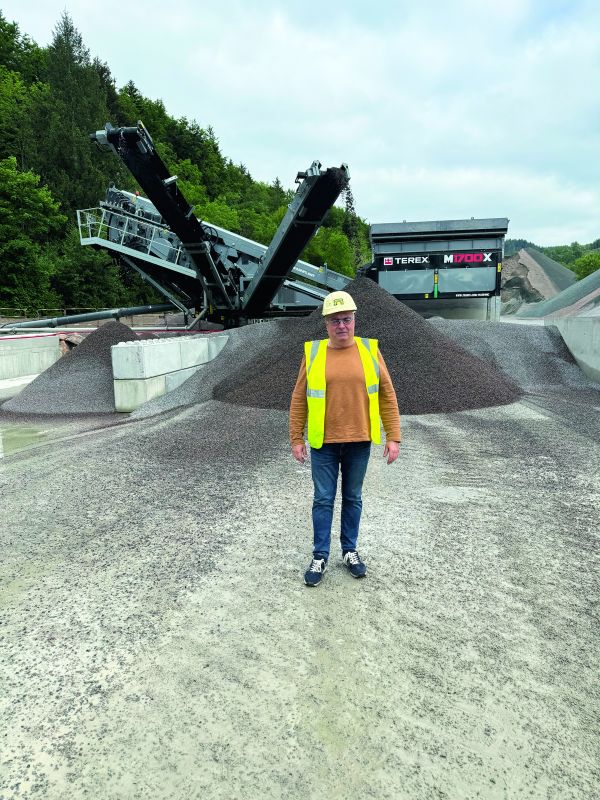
x=158, y=641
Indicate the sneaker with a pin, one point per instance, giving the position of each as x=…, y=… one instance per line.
x=313, y=575
x=358, y=569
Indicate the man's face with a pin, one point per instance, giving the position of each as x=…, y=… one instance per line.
x=340, y=327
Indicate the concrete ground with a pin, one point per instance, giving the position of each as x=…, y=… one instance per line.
x=158, y=641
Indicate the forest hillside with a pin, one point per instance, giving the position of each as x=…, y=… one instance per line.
x=51, y=99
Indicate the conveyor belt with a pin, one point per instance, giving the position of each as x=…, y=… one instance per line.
x=220, y=279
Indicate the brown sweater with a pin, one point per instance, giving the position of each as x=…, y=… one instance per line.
x=347, y=402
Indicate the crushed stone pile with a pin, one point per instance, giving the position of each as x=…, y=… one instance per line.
x=431, y=373
x=535, y=357
x=81, y=382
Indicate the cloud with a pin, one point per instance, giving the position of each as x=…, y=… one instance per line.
x=434, y=92
x=541, y=208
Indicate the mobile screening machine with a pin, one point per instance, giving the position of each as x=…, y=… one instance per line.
x=449, y=268
x=196, y=265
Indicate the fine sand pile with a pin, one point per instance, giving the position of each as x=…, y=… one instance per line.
x=81, y=382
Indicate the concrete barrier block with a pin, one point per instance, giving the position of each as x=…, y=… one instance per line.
x=175, y=379
x=582, y=337
x=131, y=393
x=27, y=354
x=147, y=369
x=200, y=349
x=145, y=359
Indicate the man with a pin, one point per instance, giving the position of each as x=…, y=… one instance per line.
x=343, y=388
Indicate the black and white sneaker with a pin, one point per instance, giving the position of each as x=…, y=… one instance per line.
x=358, y=569
x=314, y=574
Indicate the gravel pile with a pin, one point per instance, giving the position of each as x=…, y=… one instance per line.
x=562, y=277
x=81, y=382
x=516, y=287
x=582, y=292
x=533, y=356
x=431, y=373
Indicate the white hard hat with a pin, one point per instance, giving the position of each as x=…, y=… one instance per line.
x=338, y=301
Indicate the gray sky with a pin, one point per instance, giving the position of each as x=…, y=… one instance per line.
x=441, y=110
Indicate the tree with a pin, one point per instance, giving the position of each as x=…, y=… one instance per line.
x=73, y=105
x=219, y=213
x=512, y=246
x=88, y=278
x=29, y=221
x=18, y=53
x=13, y=102
x=190, y=182
x=588, y=263
x=566, y=254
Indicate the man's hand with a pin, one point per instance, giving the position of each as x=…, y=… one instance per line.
x=299, y=453
x=391, y=451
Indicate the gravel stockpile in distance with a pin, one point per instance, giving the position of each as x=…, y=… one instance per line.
x=516, y=287
x=575, y=294
x=81, y=382
x=533, y=356
x=562, y=277
x=431, y=373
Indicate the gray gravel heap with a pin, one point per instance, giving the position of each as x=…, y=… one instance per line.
x=534, y=356
x=81, y=382
x=431, y=373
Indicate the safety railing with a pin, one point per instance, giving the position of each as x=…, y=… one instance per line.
x=135, y=233
x=34, y=312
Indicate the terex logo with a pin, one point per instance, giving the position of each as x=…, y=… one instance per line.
x=389, y=261
x=467, y=258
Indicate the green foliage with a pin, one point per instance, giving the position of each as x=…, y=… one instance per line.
x=18, y=53
x=29, y=221
x=88, y=278
x=219, y=213
x=586, y=264
x=566, y=254
x=512, y=246
x=13, y=101
x=51, y=99
x=332, y=249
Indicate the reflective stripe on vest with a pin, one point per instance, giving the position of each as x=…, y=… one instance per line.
x=316, y=354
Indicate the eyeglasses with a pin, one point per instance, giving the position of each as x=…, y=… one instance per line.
x=341, y=321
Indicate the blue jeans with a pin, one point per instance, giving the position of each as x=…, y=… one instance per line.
x=352, y=458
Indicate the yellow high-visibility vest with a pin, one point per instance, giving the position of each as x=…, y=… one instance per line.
x=316, y=386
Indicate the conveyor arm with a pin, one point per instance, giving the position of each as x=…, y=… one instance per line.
x=135, y=147
x=316, y=194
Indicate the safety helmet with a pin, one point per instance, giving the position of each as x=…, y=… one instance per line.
x=338, y=301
